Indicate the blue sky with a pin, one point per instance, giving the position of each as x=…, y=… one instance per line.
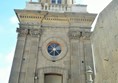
x=9, y=23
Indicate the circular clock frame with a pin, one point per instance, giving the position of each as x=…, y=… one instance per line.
x=61, y=47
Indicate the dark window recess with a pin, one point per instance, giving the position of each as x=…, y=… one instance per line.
x=53, y=1
x=59, y=1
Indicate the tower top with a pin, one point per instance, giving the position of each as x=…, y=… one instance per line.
x=56, y=6
x=56, y=1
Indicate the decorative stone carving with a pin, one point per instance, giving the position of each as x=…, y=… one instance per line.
x=74, y=34
x=86, y=35
x=35, y=32
x=22, y=31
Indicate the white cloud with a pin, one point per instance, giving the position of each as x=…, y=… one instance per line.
x=14, y=20
x=5, y=67
x=4, y=74
x=97, y=5
x=94, y=6
x=9, y=57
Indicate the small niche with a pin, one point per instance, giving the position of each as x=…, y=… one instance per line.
x=82, y=61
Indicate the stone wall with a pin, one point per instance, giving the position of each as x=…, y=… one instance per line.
x=105, y=45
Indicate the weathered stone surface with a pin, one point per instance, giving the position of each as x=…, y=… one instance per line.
x=105, y=45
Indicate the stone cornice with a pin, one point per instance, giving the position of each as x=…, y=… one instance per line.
x=45, y=17
x=30, y=25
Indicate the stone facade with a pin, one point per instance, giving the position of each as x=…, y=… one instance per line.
x=38, y=30
x=105, y=45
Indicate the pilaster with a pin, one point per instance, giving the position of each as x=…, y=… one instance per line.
x=87, y=51
x=18, y=57
x=25, y=56
x=33, y=56
x=74, y=36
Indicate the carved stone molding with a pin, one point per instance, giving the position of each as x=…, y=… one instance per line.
x=22, y=32
x=35, y=32
x=30, y=25
x=74, y=34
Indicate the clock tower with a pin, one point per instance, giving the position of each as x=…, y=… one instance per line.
x=53, y=43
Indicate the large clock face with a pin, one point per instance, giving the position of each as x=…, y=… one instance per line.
x=54, y=49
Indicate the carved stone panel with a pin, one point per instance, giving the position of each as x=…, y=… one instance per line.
x=35, y=32
x=86, y=35
x=22, y=32
x=74, y=34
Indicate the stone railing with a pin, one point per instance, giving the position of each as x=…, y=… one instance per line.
x=56, y=7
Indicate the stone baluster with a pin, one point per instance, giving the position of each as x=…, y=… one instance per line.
x=61, y=8
x=89, y=73
x=53, y=7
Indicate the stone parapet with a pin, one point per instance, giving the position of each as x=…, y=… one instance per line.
x=55, y=7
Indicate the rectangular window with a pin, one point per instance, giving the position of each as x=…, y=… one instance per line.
x=59, y=1
x=53, y=78
x=53, y=1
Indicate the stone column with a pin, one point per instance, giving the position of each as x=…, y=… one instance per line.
x=33, y=56
x=74, y=56
x=18, y=56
